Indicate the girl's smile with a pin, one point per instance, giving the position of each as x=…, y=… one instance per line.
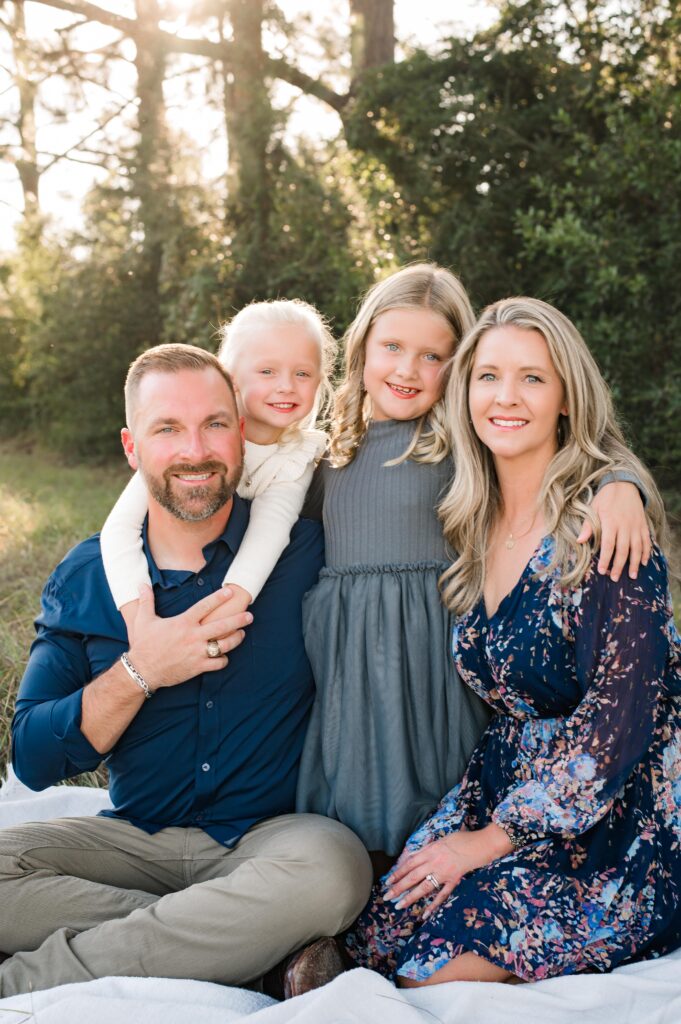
x=406, y=354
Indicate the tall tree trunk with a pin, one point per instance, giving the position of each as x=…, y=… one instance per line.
x=249, y=117
x=372, y=34
x=27, y=160
x=149, y=176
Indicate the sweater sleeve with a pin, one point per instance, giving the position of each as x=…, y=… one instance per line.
x=125, y=565
x=623, y=476
x=273, y=513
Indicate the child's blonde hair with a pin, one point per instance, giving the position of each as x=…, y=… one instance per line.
x=420, y=286
x=277, y=313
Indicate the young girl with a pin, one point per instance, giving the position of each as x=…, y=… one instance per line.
x=279, y=355
x=392, y=727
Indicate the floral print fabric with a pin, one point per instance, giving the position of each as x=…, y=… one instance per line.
x=583, y=753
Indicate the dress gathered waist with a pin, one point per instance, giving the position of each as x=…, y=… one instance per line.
x=388, y=568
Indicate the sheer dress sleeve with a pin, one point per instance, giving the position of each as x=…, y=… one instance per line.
x=621, y=642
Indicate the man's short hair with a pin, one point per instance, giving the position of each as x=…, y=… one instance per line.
x=169, y=359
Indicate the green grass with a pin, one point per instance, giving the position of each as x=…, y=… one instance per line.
x=46, y=507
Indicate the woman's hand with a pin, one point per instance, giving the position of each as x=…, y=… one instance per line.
x=624, y=529
x=447, y=860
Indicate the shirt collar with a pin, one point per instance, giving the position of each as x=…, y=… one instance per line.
x=231, y=537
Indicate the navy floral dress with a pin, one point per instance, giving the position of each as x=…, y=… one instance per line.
x=584, y=752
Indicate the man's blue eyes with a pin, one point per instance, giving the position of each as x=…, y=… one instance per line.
x=171, y=430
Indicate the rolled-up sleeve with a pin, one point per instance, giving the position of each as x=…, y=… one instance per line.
x=47, y=744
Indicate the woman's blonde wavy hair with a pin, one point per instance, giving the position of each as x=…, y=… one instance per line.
x=419, y=286
x=590, y=444
x=275, y=313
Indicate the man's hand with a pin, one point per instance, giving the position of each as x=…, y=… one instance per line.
x=625, y=533
x=165, y=652
x=170, y=651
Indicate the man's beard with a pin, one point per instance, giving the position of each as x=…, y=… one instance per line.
x=193, y=504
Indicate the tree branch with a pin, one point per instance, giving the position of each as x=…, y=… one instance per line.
x=71, y=159
x=277, y=67
x=56, y=157
x=91, y=12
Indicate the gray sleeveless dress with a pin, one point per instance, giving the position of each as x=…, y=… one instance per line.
x=393, y=726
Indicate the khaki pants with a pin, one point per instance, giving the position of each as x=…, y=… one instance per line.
x=83, y=898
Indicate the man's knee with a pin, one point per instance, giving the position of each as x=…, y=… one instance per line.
x=337, y=870
x=14, y=842
x=37, y=845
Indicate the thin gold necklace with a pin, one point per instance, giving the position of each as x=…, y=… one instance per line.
x=510, y=540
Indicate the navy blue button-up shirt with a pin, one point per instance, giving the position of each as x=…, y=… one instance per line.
x=219, y=751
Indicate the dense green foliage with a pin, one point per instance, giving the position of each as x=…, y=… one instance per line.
x=541, y=157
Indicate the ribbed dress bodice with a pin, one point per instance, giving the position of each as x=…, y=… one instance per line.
x=379, y=515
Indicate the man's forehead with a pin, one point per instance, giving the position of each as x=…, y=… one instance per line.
x=182, y=389
x=177, y=380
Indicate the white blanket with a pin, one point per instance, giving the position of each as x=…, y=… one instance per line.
x=645, y=993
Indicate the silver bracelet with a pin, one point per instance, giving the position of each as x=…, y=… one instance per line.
x=135, y=676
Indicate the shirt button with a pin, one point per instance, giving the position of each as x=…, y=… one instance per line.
x=209, y=703
x=199, y=581
x=205, y=767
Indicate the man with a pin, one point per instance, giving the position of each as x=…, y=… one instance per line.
x=200, y=871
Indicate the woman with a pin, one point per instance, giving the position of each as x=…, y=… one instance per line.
x=560, y=851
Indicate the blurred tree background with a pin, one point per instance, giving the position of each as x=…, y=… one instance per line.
x=541, y=155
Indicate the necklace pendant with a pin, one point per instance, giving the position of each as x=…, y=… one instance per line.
x=510, y=543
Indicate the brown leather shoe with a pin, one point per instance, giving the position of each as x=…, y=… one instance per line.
x=312, y=967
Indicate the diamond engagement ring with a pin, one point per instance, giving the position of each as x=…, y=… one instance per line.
x=213, y=649
x=434, y=882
